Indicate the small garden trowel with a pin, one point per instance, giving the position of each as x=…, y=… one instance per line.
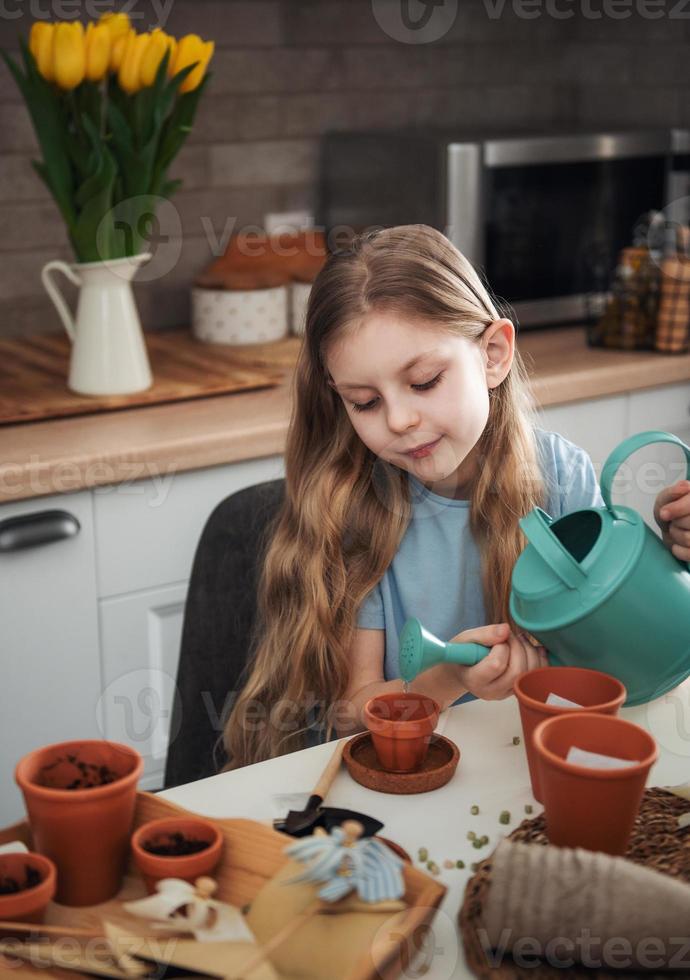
x=301, y=823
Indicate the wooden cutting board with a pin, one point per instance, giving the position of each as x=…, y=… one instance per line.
x=34, y=370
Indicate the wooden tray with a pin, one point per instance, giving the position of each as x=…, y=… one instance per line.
x=252, y=854
x=34, y=370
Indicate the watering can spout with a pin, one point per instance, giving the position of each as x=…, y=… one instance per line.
x=420, y=649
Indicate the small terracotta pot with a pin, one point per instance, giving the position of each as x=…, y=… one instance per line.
x=85, y=831
x=401, y=726
x=188, y=867
x=594, y=690
x=30, y=904
x=587, y=807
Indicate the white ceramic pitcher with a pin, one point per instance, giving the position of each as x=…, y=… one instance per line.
x=108, y=350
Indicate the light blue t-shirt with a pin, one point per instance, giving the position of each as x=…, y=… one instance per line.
x=436, y=572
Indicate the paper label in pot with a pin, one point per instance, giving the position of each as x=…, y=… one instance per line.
x=593, y=760
x=560, y=702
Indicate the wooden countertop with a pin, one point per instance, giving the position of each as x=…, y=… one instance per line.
x=63, y=455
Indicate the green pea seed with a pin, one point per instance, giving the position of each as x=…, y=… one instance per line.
x=484, y=840
x=516, y=739
x=504, y=817
x=423, y=854
x=477, y=844
x=471, y=835
x=459, y=864
x=529, y=808
x=474, y=810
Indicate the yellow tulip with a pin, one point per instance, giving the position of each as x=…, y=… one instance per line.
x=117, y=49
x=69, y=54
x=153, y=54
x=129, y=75
x=117, y=24
x=97, y=43
x=191, y=48
x=41, y=47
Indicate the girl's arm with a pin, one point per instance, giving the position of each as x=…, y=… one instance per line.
x=491, y=679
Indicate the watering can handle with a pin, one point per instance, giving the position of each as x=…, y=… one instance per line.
x=537, y=529
x=467, y=654
x=627, y=448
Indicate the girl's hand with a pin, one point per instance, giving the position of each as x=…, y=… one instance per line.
x=672, y=514
x=511, y=655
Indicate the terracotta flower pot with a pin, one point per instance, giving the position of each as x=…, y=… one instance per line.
x=401, y=726
x=188, y=867
x=588, y=807
x=594, y=690
x=29, y=904
x=84, y=829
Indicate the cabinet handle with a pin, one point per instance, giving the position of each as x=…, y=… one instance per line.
x=30, y=530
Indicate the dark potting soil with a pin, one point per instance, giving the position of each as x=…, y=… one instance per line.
x=10, y=886
x=87, y=775
x=176, y=845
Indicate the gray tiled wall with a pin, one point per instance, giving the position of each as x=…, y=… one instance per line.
x=286, y=70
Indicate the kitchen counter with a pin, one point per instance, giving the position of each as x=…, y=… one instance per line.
x=63, y=455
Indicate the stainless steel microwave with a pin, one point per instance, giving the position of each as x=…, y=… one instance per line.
x=542, y=217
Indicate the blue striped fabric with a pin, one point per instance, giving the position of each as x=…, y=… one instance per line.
x=370, y=867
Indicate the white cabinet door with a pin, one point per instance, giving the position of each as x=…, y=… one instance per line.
x=147, y=531
x=51, y=677
x=650, y=469
x=141, y=645
x=597, y=425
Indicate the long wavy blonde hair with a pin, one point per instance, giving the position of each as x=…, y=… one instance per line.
x=345, y=511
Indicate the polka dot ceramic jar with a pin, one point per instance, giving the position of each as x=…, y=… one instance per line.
x=237, y=316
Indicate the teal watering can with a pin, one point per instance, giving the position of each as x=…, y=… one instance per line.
x=597, y=588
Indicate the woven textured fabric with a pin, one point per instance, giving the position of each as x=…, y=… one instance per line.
x=656, y=843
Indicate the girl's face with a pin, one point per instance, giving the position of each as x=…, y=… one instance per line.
x=395, y=406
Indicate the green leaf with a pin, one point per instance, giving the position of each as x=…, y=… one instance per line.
x=170, y=186
x=50, y=125
x=151, y=103
x=19, y=78
x=177, y=129
x=44, y=174
x=134, y=164
x=121, y=132
x=93, y=234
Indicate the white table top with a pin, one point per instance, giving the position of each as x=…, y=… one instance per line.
x=492, y=773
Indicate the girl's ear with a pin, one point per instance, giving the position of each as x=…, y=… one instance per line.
x=498, y=342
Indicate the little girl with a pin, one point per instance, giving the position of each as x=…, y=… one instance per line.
x=411, y=455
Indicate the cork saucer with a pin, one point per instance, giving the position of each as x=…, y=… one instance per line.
x=363, y=765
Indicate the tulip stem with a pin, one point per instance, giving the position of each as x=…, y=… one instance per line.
x=104, y=104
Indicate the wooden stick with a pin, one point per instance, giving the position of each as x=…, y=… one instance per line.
x=37, y=927
x=330, y=772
